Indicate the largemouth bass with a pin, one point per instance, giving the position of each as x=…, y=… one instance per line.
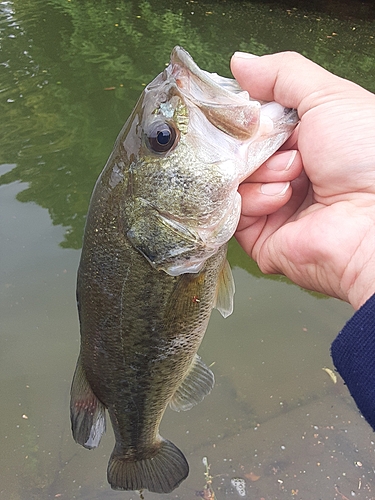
x=154, y=265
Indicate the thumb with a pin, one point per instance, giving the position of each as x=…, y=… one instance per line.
x=286, y=77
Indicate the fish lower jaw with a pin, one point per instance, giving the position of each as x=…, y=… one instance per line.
x=211, y=240
x=184, y=268
x=189, y=265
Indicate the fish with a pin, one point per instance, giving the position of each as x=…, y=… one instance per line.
x=153, y=262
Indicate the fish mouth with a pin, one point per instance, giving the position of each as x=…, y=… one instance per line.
x=226, y=105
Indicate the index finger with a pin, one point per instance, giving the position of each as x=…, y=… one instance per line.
x=286, y=77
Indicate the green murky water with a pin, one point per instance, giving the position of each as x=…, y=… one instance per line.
x=70, y=72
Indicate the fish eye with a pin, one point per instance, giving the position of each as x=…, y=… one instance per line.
x=161, y=137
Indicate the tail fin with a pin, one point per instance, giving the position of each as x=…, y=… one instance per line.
x=161, y=473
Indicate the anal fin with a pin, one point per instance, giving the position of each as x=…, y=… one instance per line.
x=198, y=382
x=87, y=413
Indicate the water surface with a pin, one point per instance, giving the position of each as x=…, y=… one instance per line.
x=71, y=71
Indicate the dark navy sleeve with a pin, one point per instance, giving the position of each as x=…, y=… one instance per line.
x=353, y=354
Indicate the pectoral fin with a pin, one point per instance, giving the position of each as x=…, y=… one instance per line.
x=225, y=291
x=198, y=382
x=87, y=413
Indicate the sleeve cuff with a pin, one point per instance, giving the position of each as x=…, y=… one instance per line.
x=353, y=354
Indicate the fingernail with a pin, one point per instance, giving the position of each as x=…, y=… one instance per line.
x=277, y=161
x=244, y=55
x=275, y=188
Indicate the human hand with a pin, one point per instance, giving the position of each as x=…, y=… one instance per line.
x=323, y=238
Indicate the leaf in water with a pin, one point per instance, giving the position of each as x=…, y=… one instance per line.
x=331, y=373
x=253, y=477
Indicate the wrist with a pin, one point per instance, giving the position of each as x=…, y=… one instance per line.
x=362, y=289
x=362, y=286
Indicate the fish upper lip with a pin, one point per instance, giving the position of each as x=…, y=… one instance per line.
x=183, y=66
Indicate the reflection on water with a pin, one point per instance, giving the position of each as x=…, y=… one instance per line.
x=71, y=72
